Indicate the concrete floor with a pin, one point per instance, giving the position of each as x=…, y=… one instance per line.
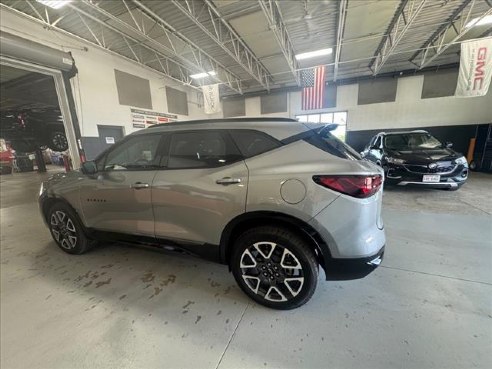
x=428, y=306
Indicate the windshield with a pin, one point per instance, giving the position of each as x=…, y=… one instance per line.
x=411, y=141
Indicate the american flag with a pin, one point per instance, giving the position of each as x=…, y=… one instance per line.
x=313, y=81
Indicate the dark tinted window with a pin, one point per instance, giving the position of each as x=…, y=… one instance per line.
x=136, y=153
x=202, y=149
x=253, y=143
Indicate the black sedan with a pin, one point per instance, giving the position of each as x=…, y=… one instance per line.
x=417, y=158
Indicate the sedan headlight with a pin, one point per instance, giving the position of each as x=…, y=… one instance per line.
x=461, y=160
x=394, y=160
x=41, y=189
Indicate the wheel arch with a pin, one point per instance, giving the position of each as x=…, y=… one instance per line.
x=250, y=220
x=49, y=201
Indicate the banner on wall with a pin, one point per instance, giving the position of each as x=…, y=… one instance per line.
x=145, y=118
x=475, y=68
x=211, y=99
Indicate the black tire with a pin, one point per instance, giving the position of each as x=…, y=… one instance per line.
x=473, y=165
x=58, y=141
x=67, y=230
x=273, y=266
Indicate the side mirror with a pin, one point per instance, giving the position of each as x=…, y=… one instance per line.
x=448, y=144
x=89, y=167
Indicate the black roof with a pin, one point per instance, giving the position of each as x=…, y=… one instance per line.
x=225, y=120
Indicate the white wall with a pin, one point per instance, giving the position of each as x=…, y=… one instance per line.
x=94, y=87
x=408, y=111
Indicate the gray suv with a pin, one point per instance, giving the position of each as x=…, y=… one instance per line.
x=270, y=197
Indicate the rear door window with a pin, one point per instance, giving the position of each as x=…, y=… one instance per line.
x=252, y=143
x=202, y=149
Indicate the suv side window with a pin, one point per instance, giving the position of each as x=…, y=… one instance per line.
x=136, y=153
x=252, y=143
x=202, y=149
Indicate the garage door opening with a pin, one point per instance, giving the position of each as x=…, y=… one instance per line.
x=31, y=124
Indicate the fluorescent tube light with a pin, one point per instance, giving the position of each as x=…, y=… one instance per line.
x=203, y=75
x=480, y=22
x=55, y=4
x=313, y=54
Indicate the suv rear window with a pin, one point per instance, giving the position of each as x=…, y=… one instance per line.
x=202, y=149
x=252, y=143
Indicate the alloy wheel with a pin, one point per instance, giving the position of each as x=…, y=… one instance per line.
x=272, y=271
x=63, y=229
x=59, y=141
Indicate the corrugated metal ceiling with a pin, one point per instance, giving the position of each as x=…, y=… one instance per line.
x=311, y=25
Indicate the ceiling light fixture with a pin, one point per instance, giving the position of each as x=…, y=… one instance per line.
x=480, y=22
x=55, y=4
x=313, y=54
x=203, y=75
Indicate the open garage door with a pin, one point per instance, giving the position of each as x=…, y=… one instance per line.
x=35, y=69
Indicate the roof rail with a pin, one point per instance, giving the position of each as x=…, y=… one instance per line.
x=225, y=120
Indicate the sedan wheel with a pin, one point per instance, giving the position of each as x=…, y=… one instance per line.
x=58, y=141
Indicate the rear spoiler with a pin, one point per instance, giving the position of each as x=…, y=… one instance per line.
x=327, y=128
x=318, y=131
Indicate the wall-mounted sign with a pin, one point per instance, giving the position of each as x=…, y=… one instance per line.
x=145, y=118
x=109, y=140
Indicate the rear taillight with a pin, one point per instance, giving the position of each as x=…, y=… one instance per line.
x=356, y=186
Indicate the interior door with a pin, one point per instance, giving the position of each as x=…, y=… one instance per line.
x=202, y=188
x=118, y=197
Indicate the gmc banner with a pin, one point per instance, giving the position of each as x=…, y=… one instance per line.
x=211, y=99
x=475, y=68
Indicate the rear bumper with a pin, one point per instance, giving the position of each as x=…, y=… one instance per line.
x=351, y=228
x=347, y=269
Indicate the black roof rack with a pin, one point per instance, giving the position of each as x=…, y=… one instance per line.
x=224, y=120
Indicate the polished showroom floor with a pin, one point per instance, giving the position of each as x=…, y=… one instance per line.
x=428, y=306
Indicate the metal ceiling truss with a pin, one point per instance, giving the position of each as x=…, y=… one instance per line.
x=342, y=13
x=272, y=12
x=134, y=45
x=202, y=13
x=182, y=48
x=449, y=34
x=401, y=23
x=167, y=66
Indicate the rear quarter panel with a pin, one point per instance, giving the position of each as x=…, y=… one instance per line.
x=297, y=161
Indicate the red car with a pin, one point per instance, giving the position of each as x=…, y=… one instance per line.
x=6, y=157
